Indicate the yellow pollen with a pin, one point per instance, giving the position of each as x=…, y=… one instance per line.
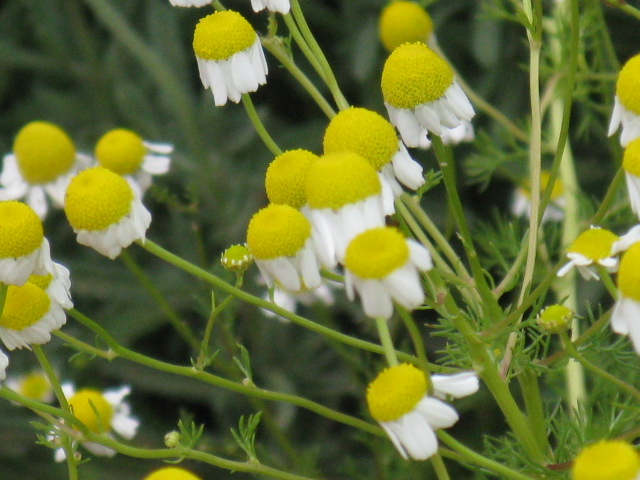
x=606, y=460
x=286, y=178
x=120, y=151
x=84, y=405
x=221, y=35
x=34, y=385
x=414, y=75
x=97, y=198
x=629, y=273
x=555, y=318
x=376, y=253
x=41, y=281
x=363, y=132
x=43, y=152
x=21, y=231
x=24, y=306
x=628, y=85
x=277, y=231
x=340, y=179
x=395, y=392
x=171, y=473
x=631, y=158
x=594, y=244
x=402, y=22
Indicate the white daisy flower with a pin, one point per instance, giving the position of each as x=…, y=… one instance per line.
x=344, y=198
x=405, y=22
x=279, y=238
x=286, y=178
x=626, y=108
x=521, y=204
x=626, y=312
x=607, y=460
x=279, y=6
x=229, y=55
x=104, y=211
x=190, y=3
x=592, y=246
x=33, y=385
x=171, y=473
x=398, y=400
x=113, y=416
x=125, y=153
x=382, y=266
x=422, y=95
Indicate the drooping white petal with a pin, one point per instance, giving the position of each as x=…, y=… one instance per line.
x=457, y=385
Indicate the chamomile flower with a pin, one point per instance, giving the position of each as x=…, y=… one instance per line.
x=626, y=312
x=29, y=317
x=190, y=3
x=126, y=153
x=344, y=198
x=229, y=55
x=33, y=385
x=382, y=266
x=521, y=205
x=401, y=22
x=101, y=412
x=279, y=238
x=607, y=460
x=104, y=212
x=368, y=134
x=279, y=6
x=626, y=108
x=631, y=166
x=592, y=246
x=422, y=95
x=41, y=164
x=56, y=284
x=171, y=473
x=398, y=400
x=23, y=248
x=286, y=178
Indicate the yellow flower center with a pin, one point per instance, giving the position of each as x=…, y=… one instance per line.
x=402, y=22
x=339, y=179
x=631, y=158
x=236, y=258
x=363, y=132
x=43, y=152
x=607, y=460
x=555, y=318
x=34, y=385
x=376, y=253
x=395, y=392
x=20, y=230
x=594, y=244
x=97, y=198
x=171, y=473
x=222, y=34
x=628, y=85
x=277, y=231
x=629, y=273
x=286, y=177
x=413, y=75
x=84, y=406
x=120, y=151
x=41, y=281
x=24, y=306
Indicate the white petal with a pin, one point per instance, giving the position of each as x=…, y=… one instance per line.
x=419, y=255
x=156, y=164
x=458, y=385
x=376, y=301
x=437, y=413
x=624, y=311
x=242, y=73
x=37, y=201
x=626, y=240
x=406, y=169
x=616, y=116
x=403, y=284
x=4, y=363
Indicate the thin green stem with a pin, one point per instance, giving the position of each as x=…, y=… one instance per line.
x=304, y=47
x=3, y=296
x=533, y=405
x=84, y=347
x=609, y=197
x=607, y=281
x=439, y=467
x=259, y=126
x=623, y=6
x=416, y=337
x=385, y=339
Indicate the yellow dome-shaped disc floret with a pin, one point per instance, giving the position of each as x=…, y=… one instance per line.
x=402, y=22
x=41, y=281
x=395, y=392
x=628, y=85
x=413, y=74
x=607, y=460
x=363, y=132
x=277, y=231
x=220, y=35
x=339, y=179
x=631, y=158
x=629, y=273
x=377, y=252
x=121, y=151
x=85, y=403
x=97, y=198
x=24, y=306
x=34, y=385
x=171, y=473
x=43, y=152
x=20, y=230
x=594, y=244
x=286, y=177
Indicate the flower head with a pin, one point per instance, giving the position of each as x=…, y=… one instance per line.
x=626, y=109
x=236, y=258
x=382, y=265
x=171, y=473
x=401, y=22
x=229, y=55
x=555, y=318
x=624, y=318
x=33, y=385
x=280, y=6
x=592, y=246
x=607, y=460
x=521, y=205
x=286, y=177
x=421, y=94
x=125, y=153
x=104, y=212
x=398, y=400
x=42, y=162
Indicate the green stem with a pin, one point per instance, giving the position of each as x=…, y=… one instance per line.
x=259, y=126
x=623, y=6
x=304, y=47
x=608, y=199
x=385, y=340
x=533, y=405
x=439, y=467
x=605, y=276
x=3, y=296
x=83, y=346
x=416, y=338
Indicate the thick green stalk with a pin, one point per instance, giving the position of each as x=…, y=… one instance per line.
x=533, y=405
